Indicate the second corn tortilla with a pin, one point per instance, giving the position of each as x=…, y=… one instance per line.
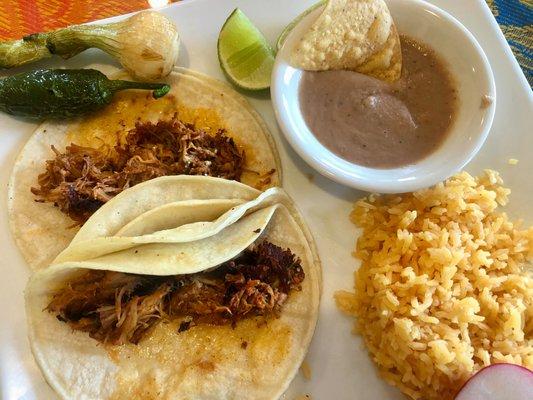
x=357, y=35
x=41, y=231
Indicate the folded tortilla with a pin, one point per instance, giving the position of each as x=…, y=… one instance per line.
x=206, y=361
x=41, y=231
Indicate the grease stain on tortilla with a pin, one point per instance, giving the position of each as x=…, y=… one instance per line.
x=110, y=125
x=148, y=390
x=129, y=107
x=148, y=370
x=207, y=366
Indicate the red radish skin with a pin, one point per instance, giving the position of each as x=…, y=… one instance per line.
x=499, y=382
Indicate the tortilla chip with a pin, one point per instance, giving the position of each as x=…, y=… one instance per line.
x=357, y=35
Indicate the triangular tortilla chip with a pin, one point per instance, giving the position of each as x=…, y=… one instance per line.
x=357, y=35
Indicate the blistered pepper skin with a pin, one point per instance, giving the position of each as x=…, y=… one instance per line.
x=63, y=93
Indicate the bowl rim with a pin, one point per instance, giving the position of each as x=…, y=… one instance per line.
x=355, y=176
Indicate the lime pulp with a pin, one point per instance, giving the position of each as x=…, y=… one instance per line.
x=244, y=54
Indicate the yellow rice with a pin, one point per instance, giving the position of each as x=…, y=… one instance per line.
x=444, y=287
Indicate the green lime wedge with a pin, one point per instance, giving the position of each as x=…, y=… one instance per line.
x=244, y=54
x=294, y=22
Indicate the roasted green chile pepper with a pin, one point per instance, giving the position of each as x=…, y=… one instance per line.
x=64, y=93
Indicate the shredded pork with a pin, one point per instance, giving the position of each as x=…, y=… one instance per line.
x=120, y=308
x=81, y=179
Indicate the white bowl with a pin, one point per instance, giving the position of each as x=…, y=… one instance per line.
x=468, y=66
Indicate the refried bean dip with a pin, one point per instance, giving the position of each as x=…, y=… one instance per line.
x=377, y=124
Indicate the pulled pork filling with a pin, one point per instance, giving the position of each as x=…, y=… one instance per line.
x=118, y=308
x=81, y=179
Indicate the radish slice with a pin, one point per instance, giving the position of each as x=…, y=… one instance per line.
x=499, y=382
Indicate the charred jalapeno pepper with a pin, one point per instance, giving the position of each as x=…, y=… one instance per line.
x=64, y=93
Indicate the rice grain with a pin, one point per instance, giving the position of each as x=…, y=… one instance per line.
x=445, y=286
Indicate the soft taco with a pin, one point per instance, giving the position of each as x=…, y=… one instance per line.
x=68, y=170
x=197, y=306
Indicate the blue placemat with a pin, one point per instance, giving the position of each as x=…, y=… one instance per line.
x=515, y=18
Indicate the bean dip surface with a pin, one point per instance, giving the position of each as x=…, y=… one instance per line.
x=378, y=124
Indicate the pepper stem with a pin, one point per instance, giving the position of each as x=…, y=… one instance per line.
x=159, y=89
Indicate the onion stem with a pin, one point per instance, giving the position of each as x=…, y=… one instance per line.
x=146, y=44
x=73, y=40
x=31, y=48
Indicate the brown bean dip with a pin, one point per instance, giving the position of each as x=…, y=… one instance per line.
x=377, y=124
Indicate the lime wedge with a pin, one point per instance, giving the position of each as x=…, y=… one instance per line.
x=294, y=22
x=244, y=54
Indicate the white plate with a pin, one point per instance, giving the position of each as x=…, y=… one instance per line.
x=341, y=368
